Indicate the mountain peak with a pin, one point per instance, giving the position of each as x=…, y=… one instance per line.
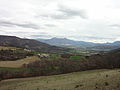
x=59, y=38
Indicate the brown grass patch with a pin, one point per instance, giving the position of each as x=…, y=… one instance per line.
x=18, y=63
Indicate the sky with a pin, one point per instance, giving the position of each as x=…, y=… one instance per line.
x=82, y=20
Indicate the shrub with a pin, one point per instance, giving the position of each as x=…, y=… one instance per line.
x=12, y=55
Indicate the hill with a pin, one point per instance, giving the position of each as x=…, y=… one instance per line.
x=86, y=80
x=30, y=44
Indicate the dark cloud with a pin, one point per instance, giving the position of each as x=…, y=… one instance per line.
x=23, y=25
x=67, y=13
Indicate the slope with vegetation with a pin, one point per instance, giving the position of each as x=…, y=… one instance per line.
x=30, y=44
x=87, y=80
x=51, y=66
x=17, y=63
x=12, y=55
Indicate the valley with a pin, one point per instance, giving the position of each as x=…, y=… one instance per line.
x=25, y=68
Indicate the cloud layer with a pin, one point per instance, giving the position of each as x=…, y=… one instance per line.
x=86, y=20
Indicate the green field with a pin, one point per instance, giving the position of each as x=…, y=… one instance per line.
x=86, y=80
x=77, y=57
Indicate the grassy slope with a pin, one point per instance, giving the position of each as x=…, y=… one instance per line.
x=87, y=80
x=18, y=63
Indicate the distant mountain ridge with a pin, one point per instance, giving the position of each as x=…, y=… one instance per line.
x=81, y=44
x=114, y=43
x=64, y=41
x=30, y=44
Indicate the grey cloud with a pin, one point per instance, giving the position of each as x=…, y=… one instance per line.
x=50, y=25
x=56, y=16
x=23, y=25
x=115, y=25
x=67, y=13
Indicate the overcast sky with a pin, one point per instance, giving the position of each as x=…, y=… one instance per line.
x=83, y=20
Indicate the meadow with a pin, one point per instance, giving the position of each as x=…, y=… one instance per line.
x=104, y=79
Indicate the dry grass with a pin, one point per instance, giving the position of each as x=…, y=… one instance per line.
x=7, y=48
x=87, y=80
x=18, y=63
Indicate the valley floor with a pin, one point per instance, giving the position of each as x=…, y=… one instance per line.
x=86, y=80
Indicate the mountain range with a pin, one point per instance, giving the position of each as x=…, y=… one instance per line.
x=64, y=42
x=55, y=45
